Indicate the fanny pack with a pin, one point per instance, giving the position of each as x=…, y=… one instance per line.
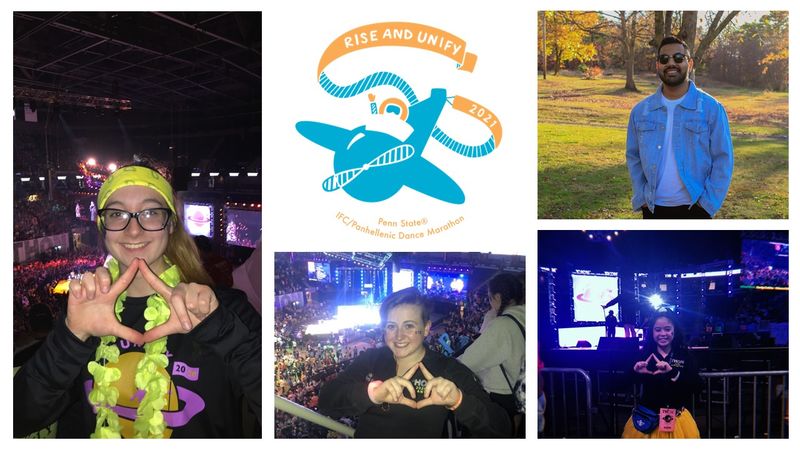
x=644, y=419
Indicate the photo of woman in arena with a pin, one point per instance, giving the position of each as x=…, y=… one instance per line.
x=148, y=348
x=403, y=389
x=668, y=377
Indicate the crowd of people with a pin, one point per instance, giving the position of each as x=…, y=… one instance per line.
x=34, y=282
x=35, y=219
x=460, y=327
x=759, y=271
x=290, y=276
x=304, y=362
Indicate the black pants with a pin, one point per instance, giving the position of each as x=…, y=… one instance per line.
x=676, y=212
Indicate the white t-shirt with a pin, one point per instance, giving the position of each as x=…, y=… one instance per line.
x=670, y=190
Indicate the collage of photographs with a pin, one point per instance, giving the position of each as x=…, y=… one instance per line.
x=380, y=175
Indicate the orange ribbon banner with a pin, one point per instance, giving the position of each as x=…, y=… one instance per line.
x=403, y=34
x=481, y=113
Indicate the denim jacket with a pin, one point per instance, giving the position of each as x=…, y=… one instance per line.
x=701, y=140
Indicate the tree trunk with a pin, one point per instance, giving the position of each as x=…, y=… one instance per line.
x=689, y=28
x=658, y=27
x=629, y=47
x=668, y=23
x=544, y=45
x=557, y=63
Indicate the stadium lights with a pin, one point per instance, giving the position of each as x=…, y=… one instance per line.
x=112, y=167
x=62, y=177
x=233, y=174
x=195, y=174
x=78, y=177
x=41, y=178
x=214, y=174
x=656, y=301
x=23, y=179
x=252, y=174
x=91, y=162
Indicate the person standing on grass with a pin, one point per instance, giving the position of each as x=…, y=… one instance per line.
x=679, y=150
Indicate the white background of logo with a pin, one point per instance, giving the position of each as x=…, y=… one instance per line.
x=499, y=187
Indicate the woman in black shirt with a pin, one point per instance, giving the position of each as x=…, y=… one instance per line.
x=406, y=390
x=669, y=378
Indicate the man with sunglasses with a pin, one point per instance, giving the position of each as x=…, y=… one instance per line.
x=679, y=150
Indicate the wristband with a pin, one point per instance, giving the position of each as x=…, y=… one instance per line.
x=458, y=403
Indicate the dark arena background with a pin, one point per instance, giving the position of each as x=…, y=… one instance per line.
x=94, y=91
x=326, y=313
x=730, y=293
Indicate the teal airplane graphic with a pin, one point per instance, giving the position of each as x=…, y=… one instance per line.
x=372, y=166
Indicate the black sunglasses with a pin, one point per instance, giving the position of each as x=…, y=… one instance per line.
x=677, y=57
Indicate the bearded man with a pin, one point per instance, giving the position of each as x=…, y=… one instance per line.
x=678, y=150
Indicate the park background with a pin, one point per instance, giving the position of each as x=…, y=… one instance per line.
x=599, y=64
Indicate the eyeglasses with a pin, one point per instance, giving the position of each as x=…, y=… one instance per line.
x=153, y=219
x=677, y=57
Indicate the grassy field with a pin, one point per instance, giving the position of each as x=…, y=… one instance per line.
x=582, y=128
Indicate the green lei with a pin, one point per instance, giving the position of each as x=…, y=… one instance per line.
x=149, y=421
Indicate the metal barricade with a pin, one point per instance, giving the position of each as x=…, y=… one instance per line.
x=304, y=413
x=760, y=400
x=728, y=405
x=558, y=382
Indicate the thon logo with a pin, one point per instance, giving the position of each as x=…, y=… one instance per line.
x=181, y=403
x=374, y=161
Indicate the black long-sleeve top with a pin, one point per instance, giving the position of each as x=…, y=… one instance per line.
x=213, y=369
x=347, y=396
x=673, y=389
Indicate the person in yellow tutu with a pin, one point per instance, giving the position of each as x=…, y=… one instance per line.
x=669, y=378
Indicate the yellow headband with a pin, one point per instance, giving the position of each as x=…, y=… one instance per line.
x=135, y=176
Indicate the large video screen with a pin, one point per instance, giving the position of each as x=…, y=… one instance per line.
x=319, y=271
x=765, y=263
x=198, y=218
x=590, y=292
x=448, y=286
x=404, y=278
x=243, y=228
x=569, y=337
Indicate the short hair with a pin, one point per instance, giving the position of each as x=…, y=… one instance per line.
x=510, y=289
x=673, y=40
x=408, y=296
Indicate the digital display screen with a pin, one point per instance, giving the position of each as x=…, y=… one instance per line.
x=446, y=283
x=569, y=337
x=590, y=293
x=402, y=279
x=243, y=227
x=319, y=271
x=198, y=219
x=765, y=263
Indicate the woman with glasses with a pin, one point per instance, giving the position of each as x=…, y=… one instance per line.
x=404, y=389
x=148, y=348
